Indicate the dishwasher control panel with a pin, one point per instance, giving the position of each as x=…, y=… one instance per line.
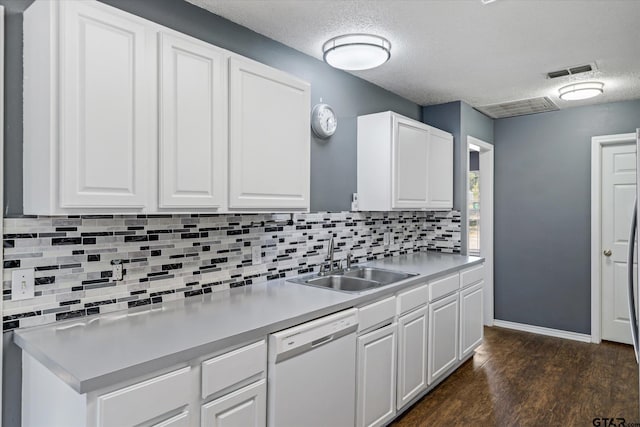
x=315, y=332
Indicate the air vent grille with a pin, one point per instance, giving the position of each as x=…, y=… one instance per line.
x=518, y=108
x=570, y=71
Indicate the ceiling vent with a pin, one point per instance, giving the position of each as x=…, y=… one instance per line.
x=570, y=71
x=518, y=108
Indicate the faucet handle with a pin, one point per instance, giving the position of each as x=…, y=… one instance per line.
x=349, y=258
x=323, y=269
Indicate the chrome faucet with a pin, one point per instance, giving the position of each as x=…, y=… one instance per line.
x=323, y=267
x=349, y=256
x=331, y=255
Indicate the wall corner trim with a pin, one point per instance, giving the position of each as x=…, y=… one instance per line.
x=568, y=335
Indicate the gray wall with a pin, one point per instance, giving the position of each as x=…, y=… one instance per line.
x=542, y=212
x=333, y=163
x=461, y=120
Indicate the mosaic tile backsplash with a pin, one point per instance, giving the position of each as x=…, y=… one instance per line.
x=167, y=257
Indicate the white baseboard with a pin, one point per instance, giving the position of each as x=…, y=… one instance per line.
x=542, y=331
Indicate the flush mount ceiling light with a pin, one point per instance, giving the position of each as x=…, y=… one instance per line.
x=355, y=52
x=582, y=90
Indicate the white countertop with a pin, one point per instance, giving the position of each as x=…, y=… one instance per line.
x=98, y=351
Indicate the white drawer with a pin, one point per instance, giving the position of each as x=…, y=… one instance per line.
x=444, y=286
x=233, y=367
x=180, y=420
x=376, y=313
x=146, y=400
x=413, y=298
x=471, y=275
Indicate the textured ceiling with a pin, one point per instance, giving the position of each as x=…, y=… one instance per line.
x=447, y=50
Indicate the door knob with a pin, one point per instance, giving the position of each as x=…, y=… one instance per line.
x=607, y=252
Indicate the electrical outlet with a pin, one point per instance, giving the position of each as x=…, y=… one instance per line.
x=387, y=238
x=354, y=202
x=116, y=270
x=22, y=284
x=256, y=255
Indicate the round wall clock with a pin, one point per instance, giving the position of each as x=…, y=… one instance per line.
x=323, y=121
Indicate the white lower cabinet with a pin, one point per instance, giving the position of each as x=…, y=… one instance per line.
x=228, y=389
x=246, y=407
x=439, y=324
x=376, y=391
x=471, y=322
x=412, y=355
x=443, y=336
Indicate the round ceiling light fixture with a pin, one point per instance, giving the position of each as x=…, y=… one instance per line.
x=582, y=90
x=354, y=52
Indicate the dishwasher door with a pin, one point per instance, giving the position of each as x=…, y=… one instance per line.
x=312, y=373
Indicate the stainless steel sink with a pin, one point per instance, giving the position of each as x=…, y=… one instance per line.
x=385, y=277
x=344, y=283
x=354, y=280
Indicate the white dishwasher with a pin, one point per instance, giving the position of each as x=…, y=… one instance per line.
x=312, y=373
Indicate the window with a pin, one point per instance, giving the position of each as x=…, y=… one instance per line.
x=474, y=213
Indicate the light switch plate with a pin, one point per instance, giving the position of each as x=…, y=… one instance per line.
x=256, y=255
x=386, y=238
x=22, y=284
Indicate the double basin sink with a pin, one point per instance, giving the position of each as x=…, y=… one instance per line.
x=354, y=279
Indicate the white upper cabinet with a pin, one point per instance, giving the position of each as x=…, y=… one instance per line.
x=403, y=164
x=122, y=115
x=193, y=123
x=269, y=138
x=440, y=169
x=410, y=164
x=88, y=115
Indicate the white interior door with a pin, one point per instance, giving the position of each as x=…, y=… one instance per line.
x=618, y=183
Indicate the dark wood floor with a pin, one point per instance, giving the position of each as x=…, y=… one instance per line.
x=522, y=379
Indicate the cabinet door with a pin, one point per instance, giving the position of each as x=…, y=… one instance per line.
x=106, y=102
x=410, y=158
x=412, y=355
x=193, y=123
x=246, y=407
x=471, y=323
x=376, y=393
x=443, y=336
x=440, y=169
x=268, y=138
